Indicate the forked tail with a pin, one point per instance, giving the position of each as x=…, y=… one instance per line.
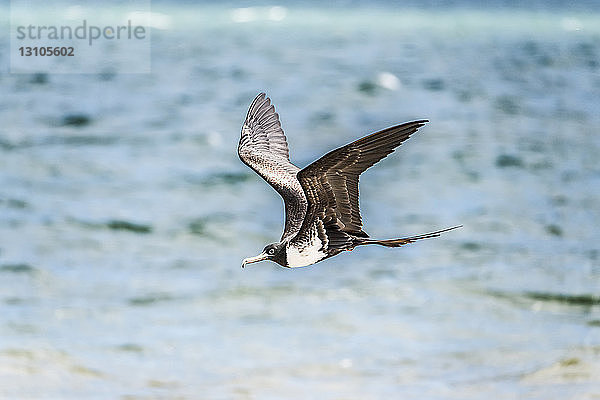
x=403, y=241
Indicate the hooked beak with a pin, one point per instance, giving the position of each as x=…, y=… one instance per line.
x=250, y=260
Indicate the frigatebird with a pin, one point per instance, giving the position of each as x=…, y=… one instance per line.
x=322, y=215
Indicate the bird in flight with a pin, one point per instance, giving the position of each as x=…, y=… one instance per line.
x=322, y=215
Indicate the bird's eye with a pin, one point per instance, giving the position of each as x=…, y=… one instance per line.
x=271, y=251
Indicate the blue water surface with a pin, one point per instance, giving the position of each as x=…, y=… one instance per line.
x=125, y=212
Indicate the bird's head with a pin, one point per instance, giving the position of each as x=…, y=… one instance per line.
x=274, y=252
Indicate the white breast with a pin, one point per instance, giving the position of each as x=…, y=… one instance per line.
x=303, y=256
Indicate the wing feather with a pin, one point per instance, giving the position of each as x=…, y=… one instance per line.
x=331, y=182
x=263, y=147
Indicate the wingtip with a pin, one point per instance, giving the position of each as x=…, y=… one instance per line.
x=417, y=124
x=257, y=103
x=264, y=99
x=259, y=98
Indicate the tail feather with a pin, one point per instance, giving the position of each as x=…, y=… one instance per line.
x=402, y=241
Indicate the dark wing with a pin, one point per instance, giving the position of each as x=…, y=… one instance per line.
x=263, y=148
x=331, y=182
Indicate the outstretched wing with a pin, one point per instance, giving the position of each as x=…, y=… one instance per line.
x=331, y=184
x=263, y=148
x=262, y=133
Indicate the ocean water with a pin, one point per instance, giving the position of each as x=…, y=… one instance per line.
x=125, y=212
